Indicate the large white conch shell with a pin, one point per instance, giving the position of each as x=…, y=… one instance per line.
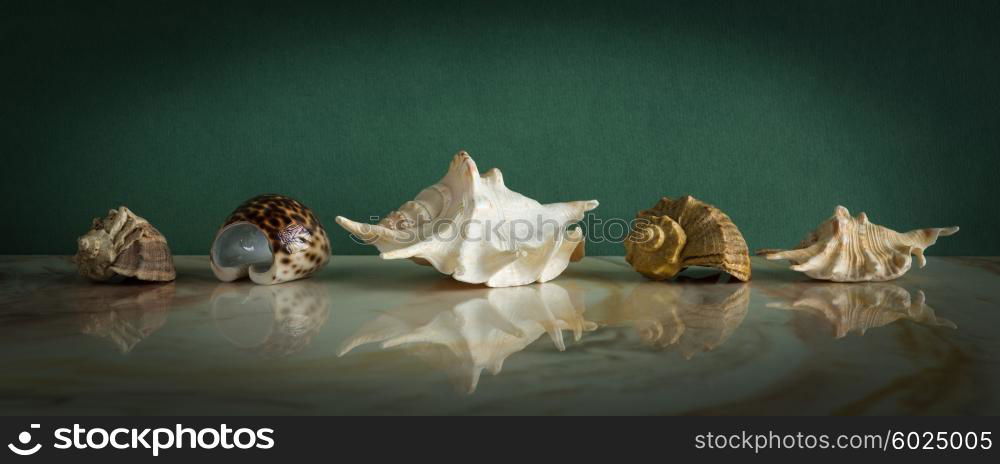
x=851, y=249
x=476, y=230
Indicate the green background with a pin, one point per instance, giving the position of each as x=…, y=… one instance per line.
x=774, y=111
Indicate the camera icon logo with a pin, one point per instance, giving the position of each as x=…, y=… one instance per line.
x=25, y=439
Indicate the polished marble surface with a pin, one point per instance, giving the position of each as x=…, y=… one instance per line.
x=367, y=336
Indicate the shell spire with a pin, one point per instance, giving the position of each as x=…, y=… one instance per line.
x=472, y=227
x=852, y=249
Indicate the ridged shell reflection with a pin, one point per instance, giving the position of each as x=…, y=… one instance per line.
x=676, y=234
x=858, y=307
x=852, y=249
x=690, y=317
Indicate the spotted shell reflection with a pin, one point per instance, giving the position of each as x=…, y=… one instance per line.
x=272, y=321
x=464, y=331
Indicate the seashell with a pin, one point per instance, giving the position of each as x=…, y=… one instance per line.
x=851, y=249
x=124, y=245
x=464, y=331
x=271, y=321
x=692, y=317
x=271, y=238
x=676, y=234
x=470, y=226
x=859, y=307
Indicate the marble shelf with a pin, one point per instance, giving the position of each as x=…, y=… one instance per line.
x=366, y=336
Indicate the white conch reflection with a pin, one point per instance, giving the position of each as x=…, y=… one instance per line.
x=274, y=320
x=124, y=314
x=465, y=331
x=689, y=316
x=857, y=307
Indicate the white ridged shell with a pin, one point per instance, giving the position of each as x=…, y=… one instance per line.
x=852, y=249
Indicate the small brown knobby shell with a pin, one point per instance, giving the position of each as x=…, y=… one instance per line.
x=124, y=245
x=271, y=239
x=684, y=232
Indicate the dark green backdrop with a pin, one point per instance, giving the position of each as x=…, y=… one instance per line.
x=774, y=111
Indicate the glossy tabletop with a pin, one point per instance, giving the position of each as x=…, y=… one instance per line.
x=367, y=336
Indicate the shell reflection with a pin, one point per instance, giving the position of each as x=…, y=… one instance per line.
x=691, y=317
x=126, y=314
x=467, y=330
x=858, y=307
x=272, y=321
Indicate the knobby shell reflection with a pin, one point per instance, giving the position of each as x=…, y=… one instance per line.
x=464, y=331
x=124, y=314
x=857, y=307
x=128, y=318
x=691, y=316
x=274, y=320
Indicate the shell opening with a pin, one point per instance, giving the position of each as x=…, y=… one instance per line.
x=242, y=244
